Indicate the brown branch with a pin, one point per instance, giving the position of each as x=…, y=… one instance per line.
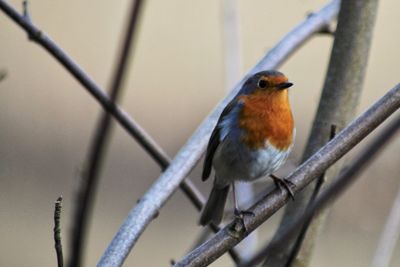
x=332, y=193
x=97, y=150
x=310, y=170
x=57, y=232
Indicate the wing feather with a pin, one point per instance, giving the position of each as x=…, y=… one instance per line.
x=215, y=140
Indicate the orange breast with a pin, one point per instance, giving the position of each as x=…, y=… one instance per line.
x=266, y=116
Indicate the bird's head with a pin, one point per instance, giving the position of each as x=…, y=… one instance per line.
x=269, y=81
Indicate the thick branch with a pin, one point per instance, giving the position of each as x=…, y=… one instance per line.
x=301, y=177
x=338, y=103
x=188, y=156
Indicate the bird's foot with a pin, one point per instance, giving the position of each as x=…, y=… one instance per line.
x=241, y=213
x=283, y=183
x=239, y=227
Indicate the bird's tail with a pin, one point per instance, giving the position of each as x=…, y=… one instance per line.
x=214, y=208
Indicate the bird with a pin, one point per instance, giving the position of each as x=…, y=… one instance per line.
x=251, y=140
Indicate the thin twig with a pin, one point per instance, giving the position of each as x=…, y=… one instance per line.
x=133, y=128
x=332, y=192
x=301, y=177
x=140, y=216
x=97, y=150
x=389, y=236
x=305, y=226
x=57, y=232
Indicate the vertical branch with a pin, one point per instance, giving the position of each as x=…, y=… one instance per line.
x=97, y=150
x=339, y=99
x=389, y=236
x=57, y=232
x=233, y=67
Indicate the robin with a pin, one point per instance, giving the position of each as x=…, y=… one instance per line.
x=252, y=139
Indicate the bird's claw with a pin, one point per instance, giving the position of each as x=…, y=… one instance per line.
x=283, y=183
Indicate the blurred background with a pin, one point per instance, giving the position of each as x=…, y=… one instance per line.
x=175, y=79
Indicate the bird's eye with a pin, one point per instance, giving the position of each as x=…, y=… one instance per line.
x=262, y=84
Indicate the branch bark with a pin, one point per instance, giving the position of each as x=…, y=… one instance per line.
x=338, y=103
x=140, y=216
x=310, y=170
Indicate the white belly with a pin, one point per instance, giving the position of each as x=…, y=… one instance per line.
x=234, y=162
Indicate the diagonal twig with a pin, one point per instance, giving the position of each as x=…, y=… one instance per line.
x=332, y=192
x=119, y=114
x=57, y=232
x=310, y=170
x=131, y=126
x=90, y=176
x=190, y=153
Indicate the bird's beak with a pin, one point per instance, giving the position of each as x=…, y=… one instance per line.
x=282, y=86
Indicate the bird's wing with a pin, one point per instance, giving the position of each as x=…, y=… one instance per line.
x=215, y=140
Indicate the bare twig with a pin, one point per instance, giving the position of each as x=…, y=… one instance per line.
x=310, y=170
x=338, y=103
x=97, y=150
x=57, y=232
x=332, y=192
x=190, y=153
x=389, y=236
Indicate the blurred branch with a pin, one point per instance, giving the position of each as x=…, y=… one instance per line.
x=338, y=103
x=57, y=232
x=310, y=170
x=389, y=236
x=90, y=176
x=332, y=192
x=140, y=216
x=3, y=74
